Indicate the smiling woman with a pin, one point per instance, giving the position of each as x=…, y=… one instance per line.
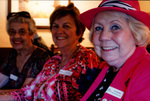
x=114, y=47
x=119, y=32
x=67, y=26
x=25, y=60
x=63, y=74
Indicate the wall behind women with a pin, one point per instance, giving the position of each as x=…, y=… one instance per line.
x=4, y=38
x=45, y=33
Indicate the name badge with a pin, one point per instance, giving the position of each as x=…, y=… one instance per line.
x=115, y=92
x=65, y=72
x=13, y=77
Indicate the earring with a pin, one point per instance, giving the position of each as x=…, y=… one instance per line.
x=77, y=44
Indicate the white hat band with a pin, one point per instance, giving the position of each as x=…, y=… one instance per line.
x=116, y=3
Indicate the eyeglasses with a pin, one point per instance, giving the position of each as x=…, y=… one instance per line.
x=21, y=32
x=19, y=14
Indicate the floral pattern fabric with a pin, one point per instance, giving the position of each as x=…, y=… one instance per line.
x=51, y=85
x=30, y=69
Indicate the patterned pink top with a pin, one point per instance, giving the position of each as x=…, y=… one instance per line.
x=61, y=86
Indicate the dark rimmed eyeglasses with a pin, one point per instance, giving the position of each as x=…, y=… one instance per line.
x=19, y=14
x=21, y=32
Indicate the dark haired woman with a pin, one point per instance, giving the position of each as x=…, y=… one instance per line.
x=60, y=77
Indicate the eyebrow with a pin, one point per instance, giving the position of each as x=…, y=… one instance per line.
x=97, y=23
x=63, y=23
x=116, y=21
x=67, y=23
x=17, y=29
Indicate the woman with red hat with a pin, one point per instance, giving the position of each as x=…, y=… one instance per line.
x=119, y=32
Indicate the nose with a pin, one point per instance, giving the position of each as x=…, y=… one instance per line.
x=17, y=35
x=105, y=35
x=60, y=30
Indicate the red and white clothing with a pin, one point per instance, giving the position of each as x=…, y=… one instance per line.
x=61, y=86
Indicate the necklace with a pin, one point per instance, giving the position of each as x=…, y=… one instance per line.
x=66, y=60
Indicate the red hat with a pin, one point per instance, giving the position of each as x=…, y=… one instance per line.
x=130, y=7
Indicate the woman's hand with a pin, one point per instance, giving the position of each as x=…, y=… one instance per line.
x=6, y=97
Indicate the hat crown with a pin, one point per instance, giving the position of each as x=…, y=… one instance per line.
x=126, y=4
x=129, y=7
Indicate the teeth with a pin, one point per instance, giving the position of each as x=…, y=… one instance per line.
x=108, y=48
x=17, y=42
x=61, y=37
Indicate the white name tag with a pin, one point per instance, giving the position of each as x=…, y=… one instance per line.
x=115, y=92
x=13, y=77
x=65, y=72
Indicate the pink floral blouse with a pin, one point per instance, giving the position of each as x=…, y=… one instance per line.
x=50, y=85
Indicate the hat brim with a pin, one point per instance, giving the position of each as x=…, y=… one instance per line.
x=87, y=17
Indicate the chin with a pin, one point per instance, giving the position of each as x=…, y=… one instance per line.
x=108, y=59
x=18, y=48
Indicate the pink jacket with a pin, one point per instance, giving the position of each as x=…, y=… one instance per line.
x=132, y=83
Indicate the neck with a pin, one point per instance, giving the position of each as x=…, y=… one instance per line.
x=67, y=55
x=69, y=52
x=23, y=56
x=27, y=51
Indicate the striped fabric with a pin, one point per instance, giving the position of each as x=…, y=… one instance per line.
x=117, y=3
